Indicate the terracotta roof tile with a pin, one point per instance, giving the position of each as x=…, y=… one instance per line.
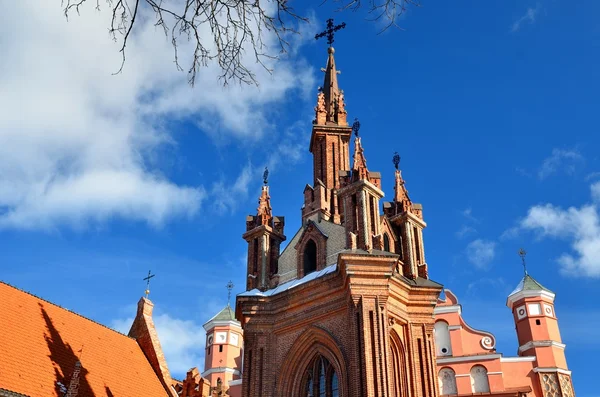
x=40, y=343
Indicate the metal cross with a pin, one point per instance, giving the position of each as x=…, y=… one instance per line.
x=330, y=31
x=229, y=288
x=522, y=254
x=147, y=279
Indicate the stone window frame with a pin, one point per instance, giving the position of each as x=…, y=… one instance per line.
x=441, y=383
x=487, y=379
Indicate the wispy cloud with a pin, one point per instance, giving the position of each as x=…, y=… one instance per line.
x=78, y=146
x=529, y=17
x=481, y=253
x=592, y=176
x=580, y=226
x=560, y=160
x=467, y=229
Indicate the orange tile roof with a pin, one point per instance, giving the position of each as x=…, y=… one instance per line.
x=40, y=343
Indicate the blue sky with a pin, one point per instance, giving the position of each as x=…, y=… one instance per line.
x=492, y=106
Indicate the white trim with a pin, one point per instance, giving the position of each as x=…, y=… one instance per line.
x=461, y=375
x=454, y=327
x=517, y=359
x=541, y=343
x=447, y=309
x=479, y=357
x=552, y=369
x=495, y=373
x=222, y=323
x=517, y=296
x=235, y=382
x=219, y=370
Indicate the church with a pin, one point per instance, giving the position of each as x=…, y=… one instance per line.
x=348, y=308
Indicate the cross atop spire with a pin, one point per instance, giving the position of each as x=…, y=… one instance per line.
x=229, y=288
x=522, y=254
x=330, y=31
x=147, y=280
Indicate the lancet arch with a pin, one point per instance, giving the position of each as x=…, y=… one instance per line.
x=301, y=365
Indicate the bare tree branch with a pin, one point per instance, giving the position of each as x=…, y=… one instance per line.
x=223, y=31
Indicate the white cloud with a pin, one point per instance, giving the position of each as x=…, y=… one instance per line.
x=564, y=160
x=529, y=16
x=481, y=253
x=182, y=342
x=77, y=143
x=464, y=231
x=579, y=226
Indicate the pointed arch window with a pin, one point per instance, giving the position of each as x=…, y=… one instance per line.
x=321, y=379
x=386, y=242
x=447, y=381
x=310, y=257
x=400, y=380
x=479, y=379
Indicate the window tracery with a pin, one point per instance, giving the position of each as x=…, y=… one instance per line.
x=325, y=382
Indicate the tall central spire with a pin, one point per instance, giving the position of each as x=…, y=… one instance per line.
x=330, y=88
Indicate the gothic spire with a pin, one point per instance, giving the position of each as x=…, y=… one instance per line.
x=331, y=104
x=359, y=167
x=264, y=211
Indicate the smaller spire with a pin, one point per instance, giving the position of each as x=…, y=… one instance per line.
x=359, y=168
x=264, y=212
x=400, y=192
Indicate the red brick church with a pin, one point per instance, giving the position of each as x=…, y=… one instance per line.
x=346, y=309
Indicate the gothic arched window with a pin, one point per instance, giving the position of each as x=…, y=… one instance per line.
x=310, y=257
x=441, y=333
x=447, y=381
x=400, y=381
x=320, y=379
x=479, y=379
x=386, y=242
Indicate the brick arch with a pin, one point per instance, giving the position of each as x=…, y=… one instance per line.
x=312, y=342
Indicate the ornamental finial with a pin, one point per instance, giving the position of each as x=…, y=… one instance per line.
x=356, y=127
x=266, y=176
x=396, y=160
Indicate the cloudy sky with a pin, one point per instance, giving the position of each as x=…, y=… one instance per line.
x=493, y=108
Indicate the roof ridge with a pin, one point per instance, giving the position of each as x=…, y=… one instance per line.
x=64, y=308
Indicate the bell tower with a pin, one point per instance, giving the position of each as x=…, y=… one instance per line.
x=538, y=334
x=329, y=145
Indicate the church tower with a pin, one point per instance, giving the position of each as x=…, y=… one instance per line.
x=347, y=309
x=223, y=355
x=329, y=145
x=264, y=234
x=538, y=334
